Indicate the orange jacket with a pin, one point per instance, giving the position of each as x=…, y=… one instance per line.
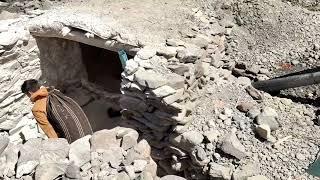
x=39, y=111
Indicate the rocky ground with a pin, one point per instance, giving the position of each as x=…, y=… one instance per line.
x=235, y=131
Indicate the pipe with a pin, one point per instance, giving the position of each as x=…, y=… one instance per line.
x=281, y=83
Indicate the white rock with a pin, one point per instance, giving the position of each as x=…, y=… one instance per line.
x=264, y=131
x=167, y=52
x=175, y=42
x=129, y=140
x=212, y=136
x=8, y=38
x=244, y=81
x=149, y=79
x=80, y=151
x=164, y=91
x=268, y=111
x=146, y=53
x=231, y=145
x=228, y=112
x=220, y=172
x=130, y=171
x=131, y=67
x=139, y=165
x=30, y=132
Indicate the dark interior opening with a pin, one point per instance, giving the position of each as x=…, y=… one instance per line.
x=103, y=67
x=104, y=70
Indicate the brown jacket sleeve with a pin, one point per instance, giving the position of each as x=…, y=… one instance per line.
x=45, y=125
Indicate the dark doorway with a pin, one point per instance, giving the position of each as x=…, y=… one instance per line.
x=103, y=67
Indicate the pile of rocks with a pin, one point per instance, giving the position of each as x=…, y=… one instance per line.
x=19, y=61
x=107, y=154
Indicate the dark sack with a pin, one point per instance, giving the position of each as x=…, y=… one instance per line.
x=67, y=117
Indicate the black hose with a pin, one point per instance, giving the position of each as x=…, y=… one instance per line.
x=278, y=84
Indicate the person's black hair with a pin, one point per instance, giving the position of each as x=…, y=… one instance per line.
x=30, y=85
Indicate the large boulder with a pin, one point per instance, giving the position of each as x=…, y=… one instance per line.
x=54, y=150
x=29, y=157
x=80, y=151
x=103, y=140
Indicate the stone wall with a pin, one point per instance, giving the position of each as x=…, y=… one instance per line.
x=161, y=87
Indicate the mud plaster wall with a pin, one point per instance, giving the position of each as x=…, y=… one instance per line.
x=60, y=61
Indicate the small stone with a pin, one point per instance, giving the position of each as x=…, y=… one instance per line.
x=146, y=53
x=199, y=70
x=175, y=42
x=316, y=47
x=175, y=81
x=268, y=111
x=163, y=91
x=295, y=62
x=8, y=38
x=244, y=81
x=264, y=131
x=228, y=112
x=174, y=97
x=201, y=154
x=220, y=172
x=212, y=136
x=300, y=157
x=245, y=107
x=264, y=71
x=216, y=29
x=253, y=113
x=190, y=54
x=231, y=145
x=201, y=41
x=223, y=116
x=131, y=67
x=254, y=69
x=149, y=79
x=179, y=69
x=139, y=165
x=268, y=120
x=255, y=94
x=167, y=52
x=187, y=141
